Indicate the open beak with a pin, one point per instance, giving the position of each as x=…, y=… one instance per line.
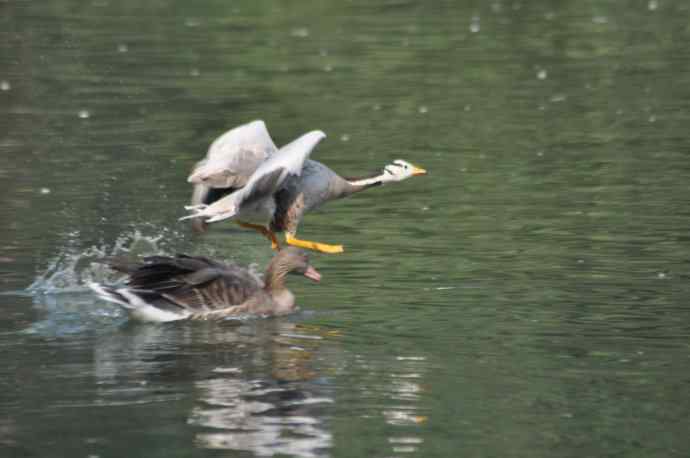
x=312, y=274
x=418, y=171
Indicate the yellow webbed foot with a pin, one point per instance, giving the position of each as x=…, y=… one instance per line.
x=316, y=246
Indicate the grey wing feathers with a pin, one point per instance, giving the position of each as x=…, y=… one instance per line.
x=289, y=160
x=234, y=156
x=268, y=178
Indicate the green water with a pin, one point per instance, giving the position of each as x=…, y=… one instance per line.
x=527, y=298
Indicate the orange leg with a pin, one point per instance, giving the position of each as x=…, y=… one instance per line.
x=266, y=232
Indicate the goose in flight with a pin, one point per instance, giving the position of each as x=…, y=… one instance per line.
x=163, y=288
x=245, y=177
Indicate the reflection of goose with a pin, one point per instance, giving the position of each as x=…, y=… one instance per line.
x=261, y=417
x=244, y=176
x=163, y=288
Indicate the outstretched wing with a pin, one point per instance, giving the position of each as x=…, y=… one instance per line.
x=268, y=178
x=234, y=156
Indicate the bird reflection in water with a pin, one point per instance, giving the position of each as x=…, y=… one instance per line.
x=267, y=416
x=406, y=390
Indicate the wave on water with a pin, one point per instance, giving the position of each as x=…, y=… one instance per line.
x=74, y=267
x=61, y=292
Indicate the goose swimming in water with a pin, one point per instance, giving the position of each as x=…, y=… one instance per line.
x=163, y=288
x=245, y=177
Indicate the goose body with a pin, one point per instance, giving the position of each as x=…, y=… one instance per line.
x=280, y=203
x=162, y=288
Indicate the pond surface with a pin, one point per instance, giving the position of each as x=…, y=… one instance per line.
x=529, y=297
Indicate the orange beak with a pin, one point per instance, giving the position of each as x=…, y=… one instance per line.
x=418, y=171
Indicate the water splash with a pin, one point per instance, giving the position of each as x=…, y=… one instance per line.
x=74, y=267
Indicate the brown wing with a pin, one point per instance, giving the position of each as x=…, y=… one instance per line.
x=162, y=272
x=213, y=289
x=190, y=282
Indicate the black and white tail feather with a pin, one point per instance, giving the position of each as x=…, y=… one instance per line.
x=134, y=301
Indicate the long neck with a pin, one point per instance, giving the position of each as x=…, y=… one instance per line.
x=274, y=286
x=274, y=279
x=360, y=184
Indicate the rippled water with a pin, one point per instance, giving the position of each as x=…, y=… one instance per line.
x=527, y=298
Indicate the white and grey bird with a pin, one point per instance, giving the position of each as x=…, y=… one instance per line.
x=245, y=177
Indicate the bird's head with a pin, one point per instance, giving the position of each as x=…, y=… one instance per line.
x=296, y=261
x=400, y=170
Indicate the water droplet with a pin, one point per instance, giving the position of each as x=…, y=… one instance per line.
x=194, y=72
x=328, y=68
x=652, y=118
x=653, y=5
x=423, y=109
x=122, y=48
x=300, y=32
x=192, y=22
x=84, y=114
x=580, y=261
x=661, y=275
x=475, y=27
x=549, y=16
x=45, y=191
x=345, y=138
x=600, y=19
x=540, y=153
x=467, y=107
x=542, y=74
x=5, y=85
x=558, y=98
x=376, y=107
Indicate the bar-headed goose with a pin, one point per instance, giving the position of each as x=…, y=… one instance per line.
x=163, y=288
x=244, y=176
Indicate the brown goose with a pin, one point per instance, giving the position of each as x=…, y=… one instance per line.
x=245, y=177
x=163, y=288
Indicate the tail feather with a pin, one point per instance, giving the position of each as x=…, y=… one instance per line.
x=110, y=295
x=136, y=306
x=219, y=210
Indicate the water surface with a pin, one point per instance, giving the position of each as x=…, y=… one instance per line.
x=527, y=298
